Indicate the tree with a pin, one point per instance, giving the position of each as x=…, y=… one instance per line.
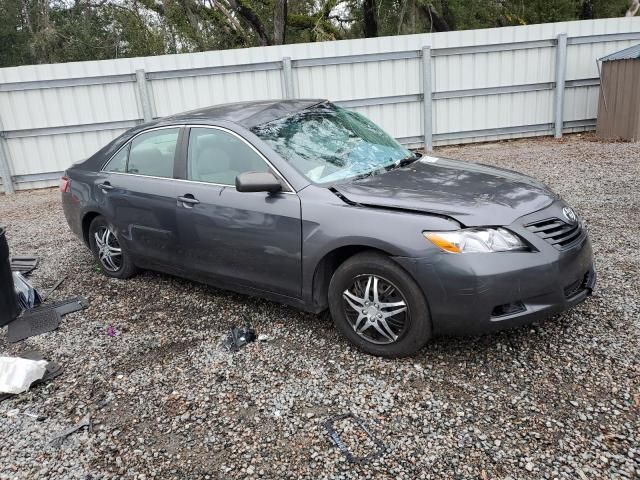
x=48, y=31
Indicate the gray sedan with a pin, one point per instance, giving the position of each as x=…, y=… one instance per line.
x=312, y=205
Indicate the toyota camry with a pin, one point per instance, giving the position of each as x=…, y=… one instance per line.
x=313, y=205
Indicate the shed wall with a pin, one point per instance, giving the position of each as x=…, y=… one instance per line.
x=619, y=102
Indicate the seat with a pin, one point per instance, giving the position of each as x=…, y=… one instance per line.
x=212, y=164
x=150, y=161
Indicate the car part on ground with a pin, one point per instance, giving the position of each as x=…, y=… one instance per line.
x=238, y=337
x=59, y=438
x=27, y=296
x=46, y=294
x=32, y=323
x=24, y=265
x=64, y=307
x=330, y=427
x=9, y=308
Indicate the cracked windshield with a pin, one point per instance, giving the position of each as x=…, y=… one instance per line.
x=329, y=144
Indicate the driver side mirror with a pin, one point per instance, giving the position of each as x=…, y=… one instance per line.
x=258, y=182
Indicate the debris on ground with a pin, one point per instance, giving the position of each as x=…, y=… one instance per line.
x=46, y=294
x=24, y=265
x=33, y=323
x=28, y=297
x=52, y=370
x=63, y=307
x=59, y=438
x=112, y=332
x=17, y=374
x=238, y=337
x=378, y=447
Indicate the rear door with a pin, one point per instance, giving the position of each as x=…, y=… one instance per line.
x=248, y=239
x=139, y=192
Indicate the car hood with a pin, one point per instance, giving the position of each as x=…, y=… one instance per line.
x=470, y=193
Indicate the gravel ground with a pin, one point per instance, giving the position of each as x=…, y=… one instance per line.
x=557, y=400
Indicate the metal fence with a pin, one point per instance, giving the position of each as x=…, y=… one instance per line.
x=427, y=89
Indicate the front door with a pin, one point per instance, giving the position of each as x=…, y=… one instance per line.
x=247, y=239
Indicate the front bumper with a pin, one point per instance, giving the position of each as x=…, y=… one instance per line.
x=475, y=293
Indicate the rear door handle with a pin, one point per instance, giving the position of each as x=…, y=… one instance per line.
x=105, y=186
x=188, y=200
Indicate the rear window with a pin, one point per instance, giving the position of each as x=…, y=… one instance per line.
x=150, y=154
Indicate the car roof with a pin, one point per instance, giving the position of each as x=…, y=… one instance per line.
x=247, y=114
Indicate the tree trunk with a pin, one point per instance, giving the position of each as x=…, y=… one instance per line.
x=403, y=10
x=252, y=19
x=438, y=24
x=370, y=21
x=586, y=12
x=633, y=8
x=280, y=22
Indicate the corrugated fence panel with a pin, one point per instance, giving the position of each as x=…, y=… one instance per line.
x=486, y=85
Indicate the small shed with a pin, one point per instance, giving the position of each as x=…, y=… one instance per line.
x=619, y=104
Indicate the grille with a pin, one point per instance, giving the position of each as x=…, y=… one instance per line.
x=556, y=232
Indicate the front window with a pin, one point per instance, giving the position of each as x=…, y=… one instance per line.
x=219, y=157
x=329, y=144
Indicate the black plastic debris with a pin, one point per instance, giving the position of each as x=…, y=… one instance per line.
x=24, y=265
x=52, y=289
x=64, y=307
x=9, y=308
x=238, y=337
x=59, y=438
x=53, y=370
x=32, y=323
x=337, y=441
x=28, y=297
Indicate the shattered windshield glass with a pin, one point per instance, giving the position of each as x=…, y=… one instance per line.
x=328, y=144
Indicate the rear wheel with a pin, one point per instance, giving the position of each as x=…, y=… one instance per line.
x=114, y=260
x=378, y=306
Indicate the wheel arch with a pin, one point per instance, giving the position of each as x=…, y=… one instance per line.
x=87, y=218
x=328, y=264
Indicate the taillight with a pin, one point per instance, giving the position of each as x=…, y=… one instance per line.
x=65, y=183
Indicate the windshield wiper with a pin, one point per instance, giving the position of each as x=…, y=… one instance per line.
x=403, y=162
x=408, y=160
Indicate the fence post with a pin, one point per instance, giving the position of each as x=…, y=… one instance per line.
x=427, y=98
x=561, y=73
x=5, y=165
x=143, y=94
x=287, y=78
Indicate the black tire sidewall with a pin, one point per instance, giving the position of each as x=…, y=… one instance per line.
x=419, y=331
x=127, y=269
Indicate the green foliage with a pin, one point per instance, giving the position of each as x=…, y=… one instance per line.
x=50, y=31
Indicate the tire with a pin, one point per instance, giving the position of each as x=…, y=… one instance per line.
x=387, y=335
x=114, y=264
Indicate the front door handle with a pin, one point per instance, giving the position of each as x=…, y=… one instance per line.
x=188, y=200
x=105, y=186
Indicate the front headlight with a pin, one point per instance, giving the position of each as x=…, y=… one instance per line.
x=477, y=240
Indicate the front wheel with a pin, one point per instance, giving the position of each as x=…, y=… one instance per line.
x=378, y=306
x=104, y=243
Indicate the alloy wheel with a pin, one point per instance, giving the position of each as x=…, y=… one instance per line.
x=109, y=250
x=376, y=309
